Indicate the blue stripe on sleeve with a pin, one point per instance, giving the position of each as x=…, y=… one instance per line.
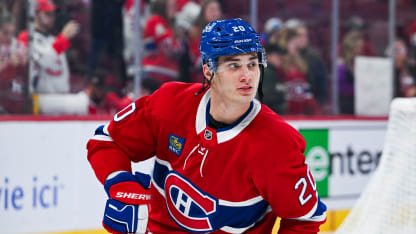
x=321, y=208
x=100, y=131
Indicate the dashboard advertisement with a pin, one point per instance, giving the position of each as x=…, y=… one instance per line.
x=48, y=186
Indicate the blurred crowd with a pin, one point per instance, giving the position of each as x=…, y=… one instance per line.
x=80, y=57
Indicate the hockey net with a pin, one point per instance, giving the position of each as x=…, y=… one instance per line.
x=388, y=203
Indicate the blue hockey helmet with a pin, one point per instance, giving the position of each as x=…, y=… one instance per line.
x=229, y=37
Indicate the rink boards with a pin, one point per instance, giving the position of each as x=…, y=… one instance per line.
x=47, y=185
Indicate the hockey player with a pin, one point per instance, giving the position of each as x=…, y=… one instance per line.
x=225, y=163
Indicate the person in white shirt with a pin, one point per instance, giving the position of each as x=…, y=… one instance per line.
x=50, y=73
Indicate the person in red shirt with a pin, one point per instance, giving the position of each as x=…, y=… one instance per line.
x=301, y=99
x=225, y=163
x=161, y=49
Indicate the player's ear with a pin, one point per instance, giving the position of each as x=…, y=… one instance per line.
x=206, y=72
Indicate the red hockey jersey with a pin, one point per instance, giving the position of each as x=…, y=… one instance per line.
x=231, y=180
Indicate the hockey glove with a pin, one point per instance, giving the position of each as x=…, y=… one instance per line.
x=126, y=210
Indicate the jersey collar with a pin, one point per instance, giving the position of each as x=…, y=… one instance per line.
x=229, y=132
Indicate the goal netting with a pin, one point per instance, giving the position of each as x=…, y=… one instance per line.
x=388, y=203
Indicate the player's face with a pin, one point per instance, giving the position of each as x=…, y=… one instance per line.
x=237, y=78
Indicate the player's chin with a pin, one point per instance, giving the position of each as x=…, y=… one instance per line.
x=246, y=97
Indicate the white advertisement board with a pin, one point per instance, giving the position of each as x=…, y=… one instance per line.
x=355, y=154
x=342, y=156
x=47, y=184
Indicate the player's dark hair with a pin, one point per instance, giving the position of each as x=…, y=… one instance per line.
x=205, y=83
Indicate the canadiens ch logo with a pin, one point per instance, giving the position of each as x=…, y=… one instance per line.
x=187, y=205
x=176, y=144
x=197, y=211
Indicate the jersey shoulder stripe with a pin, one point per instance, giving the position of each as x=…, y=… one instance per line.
x=101, y=134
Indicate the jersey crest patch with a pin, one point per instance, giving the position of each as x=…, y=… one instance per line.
x=176, y=144
x=187, y=205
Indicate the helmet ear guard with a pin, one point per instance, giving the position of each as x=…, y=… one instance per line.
x=212, y=66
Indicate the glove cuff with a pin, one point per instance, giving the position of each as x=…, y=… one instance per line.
x=128, y=188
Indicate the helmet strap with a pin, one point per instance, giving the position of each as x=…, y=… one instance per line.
x=205, y=84
x=260, y=87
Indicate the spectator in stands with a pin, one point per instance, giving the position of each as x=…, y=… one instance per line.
x=357, y=24
x=300, y=98
x=184, y=21
x=316, y=72
x=5, y=10
x=352, y=46
x=104, y=101
x=50, y=72
x=130, y=32
x=272, y=31
x=274, y=88
x=96, y=91
x=8, y=45
x=11, y=52
x=180, y=4
x=404, y=82
x=13, y=60
x=210, y=10
x=4, y=55
x=18, y=12
x=161, y=47
x=186, y=17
